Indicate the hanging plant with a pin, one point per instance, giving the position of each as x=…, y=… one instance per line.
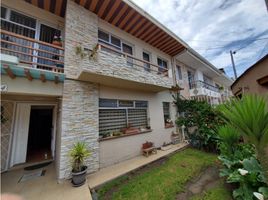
x=92, y=54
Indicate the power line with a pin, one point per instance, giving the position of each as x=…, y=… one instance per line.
x=266, y=45
x=265, y=38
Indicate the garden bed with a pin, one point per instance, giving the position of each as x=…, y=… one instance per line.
x=163, y=179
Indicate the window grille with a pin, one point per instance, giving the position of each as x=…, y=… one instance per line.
x=113, y=117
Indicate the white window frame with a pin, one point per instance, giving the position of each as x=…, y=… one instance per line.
x=127, y=108
x=179, y=72
x=162, y=59
x=36, y=29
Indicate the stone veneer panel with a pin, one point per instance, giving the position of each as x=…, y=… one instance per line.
x=79, y=123
x=81, y=29
x=110, y=64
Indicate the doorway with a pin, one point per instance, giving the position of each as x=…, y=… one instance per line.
x=34, y=133
x=40, y=132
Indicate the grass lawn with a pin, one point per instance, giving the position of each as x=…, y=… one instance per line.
x=217, y=192
x=160, y=182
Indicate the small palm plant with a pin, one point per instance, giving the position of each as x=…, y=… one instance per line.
x=249, y=116
x=78, y=155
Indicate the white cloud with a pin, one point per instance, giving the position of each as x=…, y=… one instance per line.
x=213, y=28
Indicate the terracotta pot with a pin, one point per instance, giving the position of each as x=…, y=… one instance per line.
x=57, y=43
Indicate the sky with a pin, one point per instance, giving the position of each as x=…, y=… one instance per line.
x=214, y=27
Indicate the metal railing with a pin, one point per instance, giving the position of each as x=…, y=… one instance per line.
x=202, y=84
x=133, y=61
x=37, y=54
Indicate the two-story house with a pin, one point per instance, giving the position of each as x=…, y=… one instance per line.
x=94, y=71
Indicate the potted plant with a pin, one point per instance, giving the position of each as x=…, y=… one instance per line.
x=57, y=41
x=78, y=155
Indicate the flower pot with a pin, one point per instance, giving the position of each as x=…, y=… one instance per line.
x=57, y=43
x=79, y=178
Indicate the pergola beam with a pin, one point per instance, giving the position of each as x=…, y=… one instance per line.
x=9, y=71
x=28, y=74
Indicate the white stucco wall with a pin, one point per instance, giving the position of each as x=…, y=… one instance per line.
x=119, y=149
x=21, y=85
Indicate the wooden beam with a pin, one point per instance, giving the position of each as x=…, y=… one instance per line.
x=56, y=79
x=9, y=71
x=137, y=18
x=110, y=12
x=153, y=35
x=43, y=78
x=128, y=18
x=28, y=74
x=93, y=5
x=122, y=13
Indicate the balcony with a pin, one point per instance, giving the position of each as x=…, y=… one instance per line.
x=33, y=56
x=201, y=88
x=115, y=68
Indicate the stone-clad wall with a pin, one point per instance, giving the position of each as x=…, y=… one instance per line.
x=80, y=99
x=79, y=123
x=81, y=29
x=113, y=65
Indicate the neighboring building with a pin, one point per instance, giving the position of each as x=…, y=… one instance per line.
x=112, y=75
x=254, y=80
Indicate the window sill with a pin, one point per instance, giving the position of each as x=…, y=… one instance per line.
x=125, y=135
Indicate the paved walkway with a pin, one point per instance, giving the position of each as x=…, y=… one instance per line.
x=42, y=188
x=109, y=173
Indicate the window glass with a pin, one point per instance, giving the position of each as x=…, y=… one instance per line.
x=107, y=103
x=178, y=72
x=115, y=41
x=127, y=49
x=3, y=12
x=141, y=104
x=103, y=36
x=22, y=19
x=146, y=57
x=162, y=65
x=125, y=103
x=166, y=110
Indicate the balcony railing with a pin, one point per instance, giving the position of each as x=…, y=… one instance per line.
x=133, y=61
x=202, y=84
x=35, y=53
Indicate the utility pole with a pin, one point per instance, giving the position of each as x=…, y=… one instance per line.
x=232, y=58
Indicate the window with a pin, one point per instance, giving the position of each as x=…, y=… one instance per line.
x=146, y=57
x=115, y=115
x=3, y=12
x=115, y=41
x=109, y=39
x=178, y=72
x=162, y=65
x=166, y=111
x=22, y=19
x=103, y=36
x=128, y=49
x=17, y=23
x=190, y=79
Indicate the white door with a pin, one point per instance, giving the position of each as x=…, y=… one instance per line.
x=20, y=136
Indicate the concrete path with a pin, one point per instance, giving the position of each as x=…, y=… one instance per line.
x=42, y=188
x=109, y=173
